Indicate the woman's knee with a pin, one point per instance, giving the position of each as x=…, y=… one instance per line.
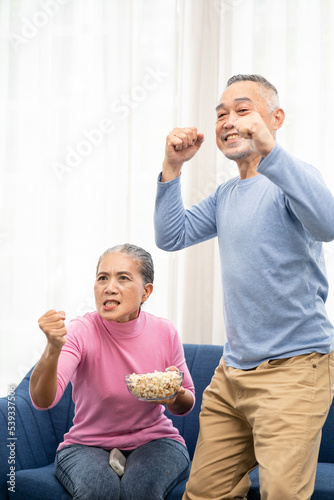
x=147, y=490
x=85, y=473
x=151, y=487
x=92, y=487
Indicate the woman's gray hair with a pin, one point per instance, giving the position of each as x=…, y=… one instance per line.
x=138, y=254
x=270, y=94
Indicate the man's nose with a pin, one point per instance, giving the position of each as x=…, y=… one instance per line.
x=230, y=120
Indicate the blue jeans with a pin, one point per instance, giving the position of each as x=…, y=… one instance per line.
x=151, y=471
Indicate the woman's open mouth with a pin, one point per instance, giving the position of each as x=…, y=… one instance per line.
x=110, y=304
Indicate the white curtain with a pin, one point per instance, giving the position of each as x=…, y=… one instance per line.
x=89, y=90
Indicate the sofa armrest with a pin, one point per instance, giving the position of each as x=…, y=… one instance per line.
x=36, y=434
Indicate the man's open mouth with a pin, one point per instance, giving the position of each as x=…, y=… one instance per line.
x=230, y=137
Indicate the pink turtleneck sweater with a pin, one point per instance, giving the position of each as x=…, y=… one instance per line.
x=95, y=358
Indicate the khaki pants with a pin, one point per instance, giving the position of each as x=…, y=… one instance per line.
x=270, y=416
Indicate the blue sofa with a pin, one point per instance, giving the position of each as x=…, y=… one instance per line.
x=31, y=448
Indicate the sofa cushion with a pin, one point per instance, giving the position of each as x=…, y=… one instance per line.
x=39, y=484
x=326, y=453
x=177, y=491
x=324, y=482
x=202, y=361
x=46, y=428
x=323, y=488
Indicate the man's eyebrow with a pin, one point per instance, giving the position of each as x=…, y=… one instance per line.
x=237, y=99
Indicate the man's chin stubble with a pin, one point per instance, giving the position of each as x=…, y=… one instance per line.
x=237, y=155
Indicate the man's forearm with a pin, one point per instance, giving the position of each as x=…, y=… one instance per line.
x=310, y=199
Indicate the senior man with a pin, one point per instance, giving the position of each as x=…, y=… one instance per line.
x=270, y=395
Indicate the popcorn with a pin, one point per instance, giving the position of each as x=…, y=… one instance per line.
x=156, y=385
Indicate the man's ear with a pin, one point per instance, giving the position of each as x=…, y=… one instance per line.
x=278, y=117
x=148, y=289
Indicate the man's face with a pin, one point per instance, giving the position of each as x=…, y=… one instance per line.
x=238, y=100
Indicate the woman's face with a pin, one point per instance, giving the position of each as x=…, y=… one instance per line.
x=119, y=288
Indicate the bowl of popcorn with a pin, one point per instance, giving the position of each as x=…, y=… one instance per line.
x=155, y=386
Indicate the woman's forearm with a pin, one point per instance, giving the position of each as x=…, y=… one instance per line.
x=182, y=403
x=43, y=380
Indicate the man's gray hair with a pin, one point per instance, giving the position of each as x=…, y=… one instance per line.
x=138, y=254
x=270, y=93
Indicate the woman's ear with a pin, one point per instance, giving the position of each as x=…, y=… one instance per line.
x=148, y=289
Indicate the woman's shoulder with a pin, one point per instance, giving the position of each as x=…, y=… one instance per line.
x=162, y=332
x=81, y=331
x=84, y=323
x=158, y=321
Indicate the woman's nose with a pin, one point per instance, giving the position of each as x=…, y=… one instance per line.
x=111, y=286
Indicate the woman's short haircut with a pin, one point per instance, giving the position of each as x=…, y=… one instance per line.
x=138, y=254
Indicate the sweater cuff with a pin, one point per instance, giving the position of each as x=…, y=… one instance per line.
x=168, y=183
x=270, y=159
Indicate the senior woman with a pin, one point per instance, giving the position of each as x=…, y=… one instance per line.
x=94, y=352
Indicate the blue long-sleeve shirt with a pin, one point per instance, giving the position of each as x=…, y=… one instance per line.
x=270, y=230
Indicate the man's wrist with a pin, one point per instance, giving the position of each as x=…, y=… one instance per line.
x=170, y=172
x=268, y=149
